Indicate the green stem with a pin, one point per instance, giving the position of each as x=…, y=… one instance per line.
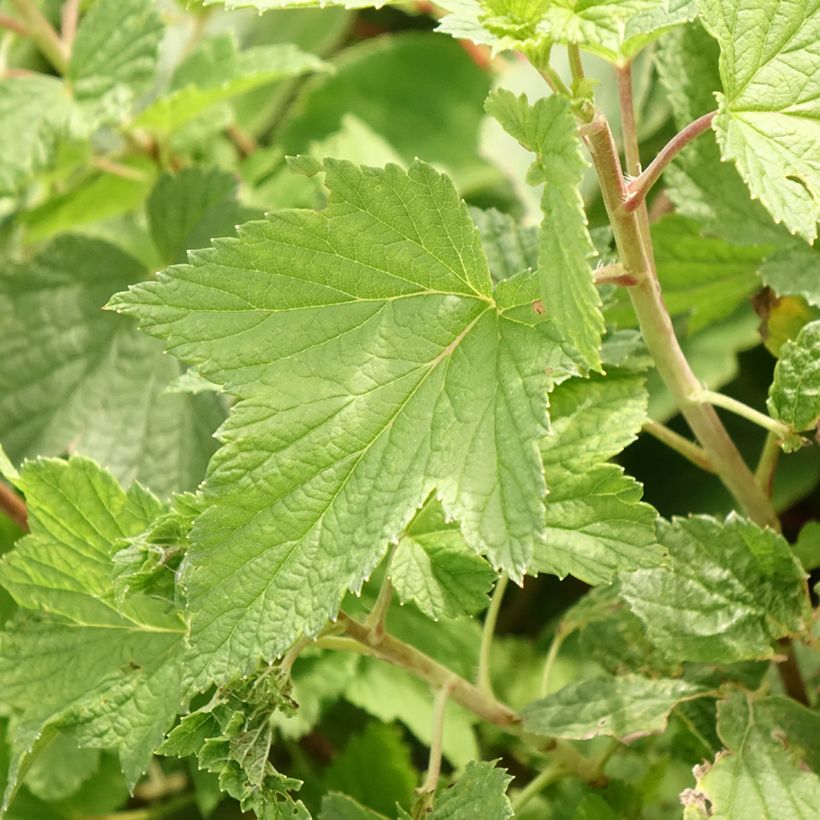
x=376, y=617
x=659, y=334
x=437, y=738
x=744, y=411
x=767, y=465
x=42, y=34
x=485, y=683
x=549, y=663
x=688, y=449
x=398, y=653
x=13, y=506
x=576, y=66
x=549, y=775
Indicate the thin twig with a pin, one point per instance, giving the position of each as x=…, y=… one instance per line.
x=790, y=674
x=428, y=787
x=683, y=446
x=68, y=25
x=614, y=275
x=118, y=169
x=376, y=617
x=639, y=188
x=557, y=639
x=12, y=24
x=13, y=506
x=767, y=464
x=744, y=411
x=628, y=125
x=485, y=683
x=42, y=34
x=549, y=775
x=576, y=66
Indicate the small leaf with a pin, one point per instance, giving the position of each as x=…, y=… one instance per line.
x=769, y=768
x=728, y=591
x=480, y=792
x=794, y=396
x=794, y=271
x=769, y=116
x=337, y=806
x=625, y=707
x=569, y=294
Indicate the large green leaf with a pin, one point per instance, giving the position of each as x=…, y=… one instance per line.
x=480, y=792
x=612, y=29
x=568, y=291
x=794, y=396
x=770, y=765
x=769, y=111
x=115, y=51
x=77, y=379
x=373, y=362
x=596, y=523
x=727, y=592
x=626, y=707
x=109, y=670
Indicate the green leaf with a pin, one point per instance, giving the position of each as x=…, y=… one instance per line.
x=434, y=568
x=703, y=278
x=215, y=73
x=769, y=115
x=115, y=51
x=625, y=707
x=480, y=792
x=375, y=768
x=110, y=671
x=807, y=547
x=61, y=768
x=613, y=29
x=75, y=378
x=794, y=396
x=769, y=768
x=596, y=523
x=188, y=209
x=35, y=112
x=337, y=806
x=231, y=736
x=510, y=248
x=568, y=291
x=390, y=694
x=729, y=590
x=351, y=326
x=794, y=271
x=273, y=5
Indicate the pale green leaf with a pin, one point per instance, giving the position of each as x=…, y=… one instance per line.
x=794, y=396
x=807, y=547
x=703, y=278
x=34, y=116
x=728, y=591
x=769, y=768
x=794, y=271
x=510, y=248
x=115, y=51
x=434, y=568
x=61, y=768
x=568, y=291
x=373, y=363
x=596, y=522
x=215, y=73
x=273, y=5
x=625, y=707
x=110, y=671
x=188, y=209
x=769, y=111
x=390, y=694
x=480, y=792
x=76, y=378
x=612, y=29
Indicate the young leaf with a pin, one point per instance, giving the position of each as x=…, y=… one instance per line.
x=110, y=671
x=612, y=29
x=75, y=378
x=794, y=396
x=625, y=707
x=115, y=51
x=769, y=768
x=729, y=590
x=216, y=72
x=434, y=568
x=373, y=363
x=480, y=792
x=596, y=523
x=569, y=294
x=769, y=115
